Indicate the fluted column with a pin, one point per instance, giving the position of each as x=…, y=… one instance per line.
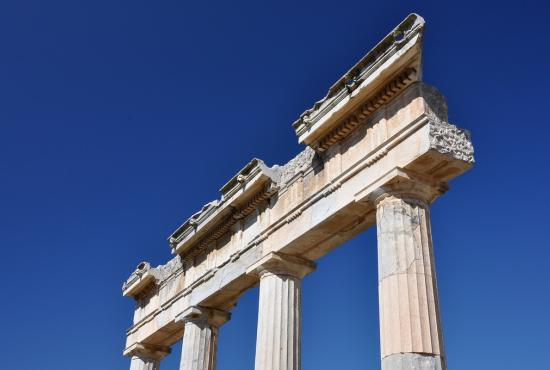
x=279, y=318
x=146, y=357
x=410, y=327
x=200, y=337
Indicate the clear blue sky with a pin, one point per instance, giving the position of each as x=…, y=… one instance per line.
x=119, y=119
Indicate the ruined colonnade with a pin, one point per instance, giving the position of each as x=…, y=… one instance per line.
x=379, y=151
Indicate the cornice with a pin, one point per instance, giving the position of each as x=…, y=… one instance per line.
x=143, y=277
x=239, y=197
x=400, y=50
x=382, y=97
x=224, y=226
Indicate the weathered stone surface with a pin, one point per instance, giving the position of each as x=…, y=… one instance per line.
x=146, y=357
x=139, y=363
x=200, y=338
x=451, y=140
x=409, y=308
x=253, y=184
x=169, y=269
x=412, y=361
x=144, y=278
x=379, y=150
x=279, y=316
x=401, y=49
x=301, y=162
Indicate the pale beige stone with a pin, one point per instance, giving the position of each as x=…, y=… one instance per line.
x=200, y=338
x=409, y=309
x=146, y=356
x=379, y=130
x=279, y=314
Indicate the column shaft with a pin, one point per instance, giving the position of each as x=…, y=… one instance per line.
x=279, y=316
x=410, y=328
x=279, y=329
x=140, y=363
x=200, y=338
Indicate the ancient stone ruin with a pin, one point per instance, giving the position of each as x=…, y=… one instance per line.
x=378, y=150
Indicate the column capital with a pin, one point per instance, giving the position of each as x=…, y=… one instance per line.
x=411, y=188
x=149, y=351
x=215, y=317
x=281, y=264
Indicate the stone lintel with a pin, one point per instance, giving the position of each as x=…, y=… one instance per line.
x=213, y=316
x=282, y=264
x=145, y=350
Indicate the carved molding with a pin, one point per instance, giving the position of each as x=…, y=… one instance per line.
x=253, y=184
x=343, y=196
x=399, y=50
x=384, y=96
x=147, y=351
x=141, y=281
x=229, y=221
x=448, y=139
x=297, y=165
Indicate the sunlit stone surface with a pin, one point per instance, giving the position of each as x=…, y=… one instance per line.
x=409, y=309
x=279, y=314
x=200, y=339
x=147, y=357
x=378, y=150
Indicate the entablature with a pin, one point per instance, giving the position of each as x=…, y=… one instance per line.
x=253, y=184
x=385, y=71
x=143, y=277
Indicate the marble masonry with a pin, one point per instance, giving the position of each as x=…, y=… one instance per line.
x=378, y=150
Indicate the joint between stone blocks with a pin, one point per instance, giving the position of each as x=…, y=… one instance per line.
x=281, y=264
x=147, y=351
x=213, y=316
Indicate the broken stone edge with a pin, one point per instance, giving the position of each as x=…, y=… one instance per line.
x=399, y=50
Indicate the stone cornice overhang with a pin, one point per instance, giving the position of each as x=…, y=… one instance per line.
x=142, y=278
x=381, y=74
x=240, y=196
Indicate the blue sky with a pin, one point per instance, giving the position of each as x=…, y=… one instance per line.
x=119, y=119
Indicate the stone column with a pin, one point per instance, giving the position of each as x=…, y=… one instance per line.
x=410, y=325
x=279, y=317
x=200, y=337
x=147, y=357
